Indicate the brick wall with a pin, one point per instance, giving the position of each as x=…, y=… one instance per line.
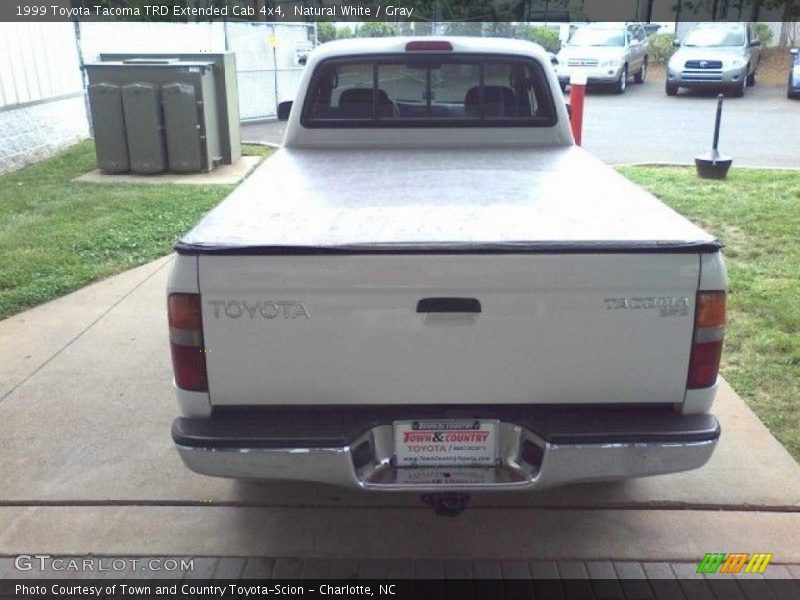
x=32, y=132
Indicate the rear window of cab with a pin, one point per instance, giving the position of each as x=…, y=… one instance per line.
x=431, y=90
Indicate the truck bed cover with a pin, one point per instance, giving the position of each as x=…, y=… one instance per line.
x=508, y=200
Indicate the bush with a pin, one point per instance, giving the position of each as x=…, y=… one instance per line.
x=375, y=29
x=326, y=31
x=464, y=28
x=661, y=47
x=764, y=34
x=546, y=37
x=344, y=32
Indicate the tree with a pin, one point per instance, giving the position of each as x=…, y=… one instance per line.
x=343, y=33
x=546, y=37
x=497, y=29
x=326, y=31
x=788, y=33
x=464, y=28
x=764, y=33
x=404, y=28
x=740, y=10
x=789, y=21
x=661, y=48
x=375, y=29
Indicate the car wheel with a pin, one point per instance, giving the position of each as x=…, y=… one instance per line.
x=737, y=91
x=672, y=90
x=642, y=74
x=622, y=83
x=751, y=79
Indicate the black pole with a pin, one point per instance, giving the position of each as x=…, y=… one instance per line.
x=719, y=120
x=713, y=165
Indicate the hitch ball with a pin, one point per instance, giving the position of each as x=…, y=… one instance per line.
x=449, y=504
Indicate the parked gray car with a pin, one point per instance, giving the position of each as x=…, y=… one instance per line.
x=723, y=56
x=793, y=90
x=607, y=53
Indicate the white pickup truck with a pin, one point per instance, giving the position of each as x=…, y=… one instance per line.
x=429, y=287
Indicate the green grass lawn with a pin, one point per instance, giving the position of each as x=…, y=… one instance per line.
x=756, y=213
x=57, y=235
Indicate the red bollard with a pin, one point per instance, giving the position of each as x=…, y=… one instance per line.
x=577, y=92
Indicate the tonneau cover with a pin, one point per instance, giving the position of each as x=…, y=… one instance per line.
x=440, y=200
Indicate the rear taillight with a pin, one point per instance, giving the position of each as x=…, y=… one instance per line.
x=709, y=331
x=186, y=342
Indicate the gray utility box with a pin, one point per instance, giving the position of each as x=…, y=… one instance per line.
x=110, y=138
x=226, y=92
x=145, y=131
x=163, y=111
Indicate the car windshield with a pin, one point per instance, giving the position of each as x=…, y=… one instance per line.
x=715, y=36
x=591, y=36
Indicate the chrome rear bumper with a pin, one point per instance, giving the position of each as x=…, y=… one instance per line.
x=528, y=459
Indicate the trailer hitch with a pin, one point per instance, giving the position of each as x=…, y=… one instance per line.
x=448, y=504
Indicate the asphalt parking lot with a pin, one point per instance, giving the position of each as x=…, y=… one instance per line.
x=644, y=125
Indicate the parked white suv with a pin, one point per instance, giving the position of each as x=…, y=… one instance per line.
x=607, y=53
x=715, y=55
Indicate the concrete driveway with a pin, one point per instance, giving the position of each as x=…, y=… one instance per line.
x=644, y=125
x=87, y=465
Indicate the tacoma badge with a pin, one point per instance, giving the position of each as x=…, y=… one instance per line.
x=668, y=306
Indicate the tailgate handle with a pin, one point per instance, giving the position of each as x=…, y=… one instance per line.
x=449, y=305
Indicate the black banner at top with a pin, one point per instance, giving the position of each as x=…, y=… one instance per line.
x=400, y=10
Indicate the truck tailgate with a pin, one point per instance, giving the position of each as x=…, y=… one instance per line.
x=345, y=329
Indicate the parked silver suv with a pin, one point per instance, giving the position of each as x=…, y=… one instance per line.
x=716, y=55
x=606, y=53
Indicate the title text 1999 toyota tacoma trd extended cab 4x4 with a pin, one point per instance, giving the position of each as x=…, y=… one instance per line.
x=431, y=288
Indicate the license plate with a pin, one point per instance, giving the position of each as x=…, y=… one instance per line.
x=458, y=443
